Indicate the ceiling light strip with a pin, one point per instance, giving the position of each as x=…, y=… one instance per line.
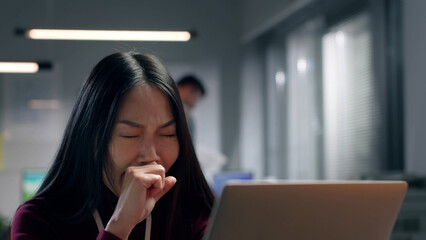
x=18, y=67
x=105, y=35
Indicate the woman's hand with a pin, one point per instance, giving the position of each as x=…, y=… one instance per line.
x=142, y=187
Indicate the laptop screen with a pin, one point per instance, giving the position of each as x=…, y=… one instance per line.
x=350, y=210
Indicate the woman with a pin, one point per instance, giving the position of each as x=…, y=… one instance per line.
x=126, y=149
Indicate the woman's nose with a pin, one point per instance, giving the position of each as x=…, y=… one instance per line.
x=148, y=152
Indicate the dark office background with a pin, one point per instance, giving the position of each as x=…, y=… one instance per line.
x=297, y=89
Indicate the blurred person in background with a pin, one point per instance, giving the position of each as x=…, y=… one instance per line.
x=191, y=90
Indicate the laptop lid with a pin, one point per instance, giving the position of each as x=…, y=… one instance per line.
x=350, y=210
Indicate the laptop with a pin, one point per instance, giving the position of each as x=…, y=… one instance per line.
x=349, y=210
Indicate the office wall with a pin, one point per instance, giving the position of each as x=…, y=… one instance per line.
x=252, y=113
x=414, y=37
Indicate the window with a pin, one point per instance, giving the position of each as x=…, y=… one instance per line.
x=351, y=108
x=303, y=106
x=331, y=93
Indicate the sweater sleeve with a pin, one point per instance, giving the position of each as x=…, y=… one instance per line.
x=104, y=235
x=32, y=222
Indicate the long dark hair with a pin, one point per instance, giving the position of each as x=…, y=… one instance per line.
x=76, y=172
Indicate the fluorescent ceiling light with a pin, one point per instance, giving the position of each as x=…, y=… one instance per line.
x=18, y=67
x=44, y=104
x=107, y=35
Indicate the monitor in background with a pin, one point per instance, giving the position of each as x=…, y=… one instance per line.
x=31, y=181
x=220, y=179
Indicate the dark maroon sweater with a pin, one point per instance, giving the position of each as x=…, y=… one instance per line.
x=35, y=220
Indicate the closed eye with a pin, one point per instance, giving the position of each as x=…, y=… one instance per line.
x=169, y=135
x=129, y=136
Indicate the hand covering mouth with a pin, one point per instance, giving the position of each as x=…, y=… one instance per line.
x=148, y=163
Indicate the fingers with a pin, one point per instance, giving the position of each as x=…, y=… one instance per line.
x=152, y=178
x=169, y=183
x=155, y=189
x=153, y=168
x=147, y=175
